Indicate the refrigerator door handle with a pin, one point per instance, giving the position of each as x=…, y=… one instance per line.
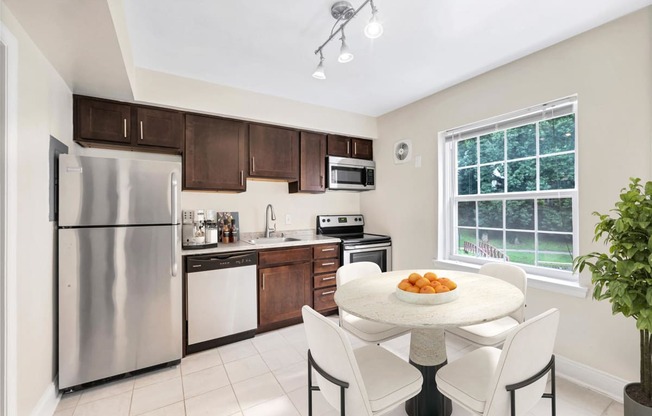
x=175, y=232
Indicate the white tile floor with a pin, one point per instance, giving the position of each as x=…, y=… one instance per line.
x=266, y=376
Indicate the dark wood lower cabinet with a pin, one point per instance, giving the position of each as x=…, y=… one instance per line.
x=284, y=286
x=282, y=293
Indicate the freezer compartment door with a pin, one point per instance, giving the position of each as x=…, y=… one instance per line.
x=119, y=301
x=103, y=191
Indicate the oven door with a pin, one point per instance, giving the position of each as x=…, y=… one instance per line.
x=381, y=254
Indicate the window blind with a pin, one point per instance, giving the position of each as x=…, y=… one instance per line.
x=530, y=115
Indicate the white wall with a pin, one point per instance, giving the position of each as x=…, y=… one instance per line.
x=44, y=109
x=610, y=69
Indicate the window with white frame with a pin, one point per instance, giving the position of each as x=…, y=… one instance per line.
x=510, y=190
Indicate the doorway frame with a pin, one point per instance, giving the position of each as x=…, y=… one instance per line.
x=8, y=215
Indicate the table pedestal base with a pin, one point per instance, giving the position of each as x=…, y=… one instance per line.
x=430, y=402
x=428, y=354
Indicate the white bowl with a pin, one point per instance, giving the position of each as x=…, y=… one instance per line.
x=427, y=298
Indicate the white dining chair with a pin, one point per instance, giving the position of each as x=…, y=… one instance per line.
x=494, y=382
x=368, y=381
x=494, y=333
x=362, y=328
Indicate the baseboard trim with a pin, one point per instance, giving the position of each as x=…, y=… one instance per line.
x=48, y=402
x=590, y=377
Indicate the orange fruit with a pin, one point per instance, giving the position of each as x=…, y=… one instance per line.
x=442, y=289
x=449, y=284
x=435, y=283
x=422, y=282
x=430, y=276
x=427, y=289
x=404, y=285
x=412, y=289
x=414, y=277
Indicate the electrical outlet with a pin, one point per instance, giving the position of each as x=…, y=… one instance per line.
x=288, y=219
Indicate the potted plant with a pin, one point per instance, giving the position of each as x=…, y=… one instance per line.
x=624, y=277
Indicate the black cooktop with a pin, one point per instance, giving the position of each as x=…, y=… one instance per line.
x=363, y=238
x=348, y=228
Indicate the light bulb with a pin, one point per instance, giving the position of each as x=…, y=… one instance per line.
x=345, y=54
x=374, y=28
x=319, y=71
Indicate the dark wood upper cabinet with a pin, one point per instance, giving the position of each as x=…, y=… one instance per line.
x=215, y=154
x=102, y=120
x=112, y=124
x=160, y=128
x=362, y=149
x=339, y=146
x=273, y=152
x=344, y=146
x=312, y=164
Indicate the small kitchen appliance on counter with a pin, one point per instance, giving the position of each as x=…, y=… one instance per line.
x=356, y=244
x=197, y=230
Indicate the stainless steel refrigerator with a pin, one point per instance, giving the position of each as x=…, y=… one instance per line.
x=119, y=267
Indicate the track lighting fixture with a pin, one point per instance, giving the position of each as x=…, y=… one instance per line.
x=343, y=12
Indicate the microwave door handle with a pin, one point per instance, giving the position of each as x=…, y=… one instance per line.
x=364, y=177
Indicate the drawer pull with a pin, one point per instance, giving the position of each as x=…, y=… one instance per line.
x=330, y=292
x=141, y=130
x=327, y=278
x=327, y=249
x=124, y=120
x=328, y=264
x=263, y=281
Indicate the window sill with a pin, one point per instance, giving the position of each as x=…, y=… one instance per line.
x=534, y=281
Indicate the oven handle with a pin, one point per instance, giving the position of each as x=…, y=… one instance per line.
x=366, y=247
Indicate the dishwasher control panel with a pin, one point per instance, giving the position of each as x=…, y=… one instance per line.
x=220, y=261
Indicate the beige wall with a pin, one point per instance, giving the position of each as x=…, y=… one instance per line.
x=610, y=70
x=44, y=109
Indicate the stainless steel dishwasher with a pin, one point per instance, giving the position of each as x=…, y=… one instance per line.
x=222, y=299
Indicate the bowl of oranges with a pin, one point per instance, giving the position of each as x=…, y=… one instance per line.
x=428, y=289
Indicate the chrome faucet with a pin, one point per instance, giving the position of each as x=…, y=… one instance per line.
x=269, y=230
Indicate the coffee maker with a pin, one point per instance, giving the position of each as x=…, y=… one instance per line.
x=193, y=230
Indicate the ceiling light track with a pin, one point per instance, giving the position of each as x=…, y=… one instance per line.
x=343, y=11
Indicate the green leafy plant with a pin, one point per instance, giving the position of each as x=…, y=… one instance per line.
x=624, y=274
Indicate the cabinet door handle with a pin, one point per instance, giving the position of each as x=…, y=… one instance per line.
x=328, y=249
x=323, y=279
x=330, y=292
x=141, y=130
x=263, y=281
x=355, y=148
x=348, y=147
x=321, y=180
x=124, y=123
x=241, y=177
x=253, y=163
x=328, y=264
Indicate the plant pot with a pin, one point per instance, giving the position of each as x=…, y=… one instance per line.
x=632, y=407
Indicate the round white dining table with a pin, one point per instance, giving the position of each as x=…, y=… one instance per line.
x=481, y=298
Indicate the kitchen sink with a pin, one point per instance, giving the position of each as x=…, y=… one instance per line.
x=272, y=240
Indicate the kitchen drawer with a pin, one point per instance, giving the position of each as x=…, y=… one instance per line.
x=324, y=299
x=326, y=265
x=326, y=251
x=324, y=280
x=284, y=256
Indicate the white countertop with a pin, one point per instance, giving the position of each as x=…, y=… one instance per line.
x=305, y=238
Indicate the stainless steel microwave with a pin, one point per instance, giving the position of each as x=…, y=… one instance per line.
x=351, y=174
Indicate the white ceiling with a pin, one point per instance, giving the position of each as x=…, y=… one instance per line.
x=268, y=46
